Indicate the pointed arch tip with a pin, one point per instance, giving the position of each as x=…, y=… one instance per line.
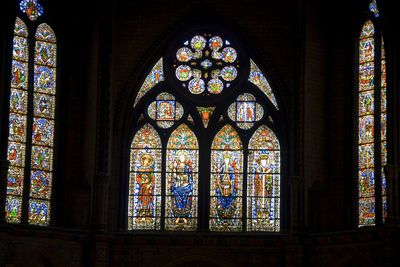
x=182, y=138
x=155, y=76
x=367, y=30
x=258, y=78
x=45, y=33
x=20, y=28
x=146, y=132
x=264, y=135
x=227, y=138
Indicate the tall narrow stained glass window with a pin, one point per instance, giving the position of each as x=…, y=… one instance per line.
x=226, y=181
x=366, y=151
x=43, y=125
x=371, y=177
x=144, y=209
x=383, y=129
x=263, y=181
x=182, y=180
x=17, y=123
x=192, y=165
x=31, y=120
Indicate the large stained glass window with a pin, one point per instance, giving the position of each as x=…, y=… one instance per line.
x=144, y=208
x=226, y=181
x=372, y=112
x=17, y=122
x=263, y=181
x=182, y=180
x=192, y=165
x=31, y=138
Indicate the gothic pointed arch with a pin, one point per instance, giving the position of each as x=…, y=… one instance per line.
x=144, y=208
x=205, y=98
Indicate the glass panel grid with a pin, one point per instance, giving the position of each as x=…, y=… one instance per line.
x=366, y=124
x=182, y=180
x=144, y=202
x=43, y=131
x=226, y=181
x=17, y=122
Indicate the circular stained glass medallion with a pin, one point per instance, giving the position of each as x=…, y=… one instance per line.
x=229, y=55
x=215, y=43
x=196, y=86
x=215, y=86
x=184, y=54
x=229, y=73
x=183, y=73
x=198, y=42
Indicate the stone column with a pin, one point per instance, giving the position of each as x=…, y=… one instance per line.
x=296, y=184
x=392, y=188
x=100, y=200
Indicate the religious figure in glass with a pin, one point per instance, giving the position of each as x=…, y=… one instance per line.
x=263, y=184
x=145, y=181
x=227, y=187
x=182, y=188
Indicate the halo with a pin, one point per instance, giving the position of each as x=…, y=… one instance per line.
x=149, y=157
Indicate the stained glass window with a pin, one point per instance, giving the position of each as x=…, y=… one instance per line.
x=165, y=110
x=182, y=180
x=43, y=125
x=32, y=9
x=366, y=153
x=188, y=169
x=226, y=181
x=206, y=64
x=205, y=114
x=373, y=7
x=383, y=129
x=368, y=117
x=263, y=181
x=37, y=131
x=17, y=123
x=257, y=78
x=144, y=206
x=245, y=111
x=155, y=76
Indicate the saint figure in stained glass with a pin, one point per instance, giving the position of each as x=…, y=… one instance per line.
x=227, y=189
x=263, y=186
x=145, y=180
x=226, y=181
x=145, y=185
x=182, y=187
x=182, y=181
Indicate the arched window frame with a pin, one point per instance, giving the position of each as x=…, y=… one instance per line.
x=29, y=198
x=380, y=135
x=205, y=135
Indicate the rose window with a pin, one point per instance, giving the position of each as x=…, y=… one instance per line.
x=206, y=64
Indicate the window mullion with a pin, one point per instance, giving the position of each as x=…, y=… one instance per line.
x=29, y=123
x=163, y=183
